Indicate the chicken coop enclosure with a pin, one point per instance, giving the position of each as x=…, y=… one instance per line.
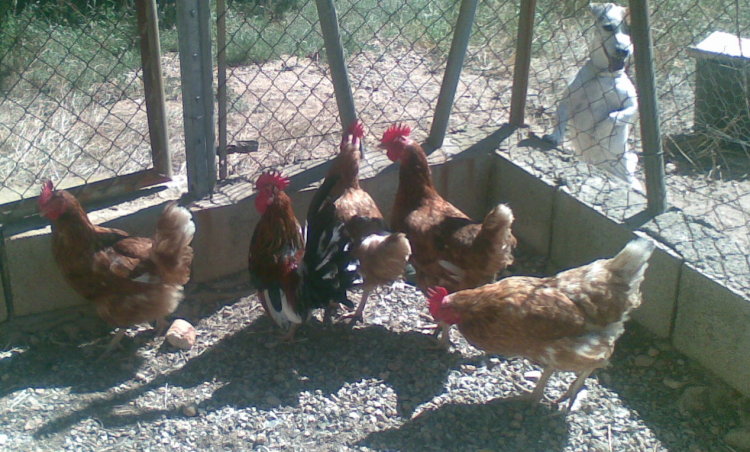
x=110, y=97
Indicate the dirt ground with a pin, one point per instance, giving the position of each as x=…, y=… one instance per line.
x=378, y=386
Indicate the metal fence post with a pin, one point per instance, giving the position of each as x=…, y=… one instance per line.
x=329, y=26
x=452, y=73
x=523, y=62
x=194, y=36
x=153, y=86
x=221, y=89
x=653, y=157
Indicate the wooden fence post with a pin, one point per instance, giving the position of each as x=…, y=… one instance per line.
x=522, y=63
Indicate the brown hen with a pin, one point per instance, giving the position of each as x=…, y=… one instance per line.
x=449, y=249
x=567, y=322
x=382, y=255
x=130, y=280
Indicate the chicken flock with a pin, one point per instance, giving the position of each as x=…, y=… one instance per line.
x=566, y=322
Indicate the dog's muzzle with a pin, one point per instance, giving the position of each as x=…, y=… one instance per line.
x=618, y=60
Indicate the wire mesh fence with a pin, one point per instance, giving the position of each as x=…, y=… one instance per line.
x=72, y=103
x=703, y=103
x=281, y=103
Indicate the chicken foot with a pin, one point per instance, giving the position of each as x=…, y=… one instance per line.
x=357, y=315
x=114, y=343
x=288, y=337
x=538, y=393
x=574, y=389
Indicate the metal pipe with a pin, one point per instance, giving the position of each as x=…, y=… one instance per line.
x=522, y=66
x=653, y=157
x=221, y=89
x=5, y=276
x=452, y=74
x=194, y=36
x=329, y=26
x=153, y=85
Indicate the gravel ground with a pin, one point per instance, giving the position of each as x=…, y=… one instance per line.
x=375, y=387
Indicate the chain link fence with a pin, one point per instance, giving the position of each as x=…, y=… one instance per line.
x=704, y=113
x=72, y=106
x=280, y=103
x=72, y=103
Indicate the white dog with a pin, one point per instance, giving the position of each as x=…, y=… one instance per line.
x=600, y=104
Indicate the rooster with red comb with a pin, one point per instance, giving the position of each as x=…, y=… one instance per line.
x=382, y=254
x=293, y=275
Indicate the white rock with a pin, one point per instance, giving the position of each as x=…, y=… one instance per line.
x=181, y=334
x=583, y=394
x=532, y=375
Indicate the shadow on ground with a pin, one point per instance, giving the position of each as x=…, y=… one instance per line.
x=500, y=425
x=253, y=369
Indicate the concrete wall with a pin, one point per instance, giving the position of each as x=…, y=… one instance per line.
x=224, y=224
x=701, y=316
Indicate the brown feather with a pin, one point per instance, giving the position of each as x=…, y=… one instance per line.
x=101, y=264
x=449, y=249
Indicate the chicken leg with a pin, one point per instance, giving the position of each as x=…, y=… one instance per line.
x=357, y=315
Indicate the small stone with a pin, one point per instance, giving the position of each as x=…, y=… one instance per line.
x=694, y=399
x=532, y=375
x=583, y=394
x=468, y=368
x=673, y=384
x=181, y=334
x=190, y=410
x=738, y=438
x=644, y=361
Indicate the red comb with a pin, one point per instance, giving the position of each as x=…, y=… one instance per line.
x=395, y=131
x=357, y=129
x=272, y=178
x=435, y=297
x=436, y=292
x=47, y=190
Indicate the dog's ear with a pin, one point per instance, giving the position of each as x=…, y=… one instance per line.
x=598, y=9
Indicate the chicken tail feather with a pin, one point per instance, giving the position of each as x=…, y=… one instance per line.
x=171, y=251
x=632, y=261
x=328, y=268
x=498, y=219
